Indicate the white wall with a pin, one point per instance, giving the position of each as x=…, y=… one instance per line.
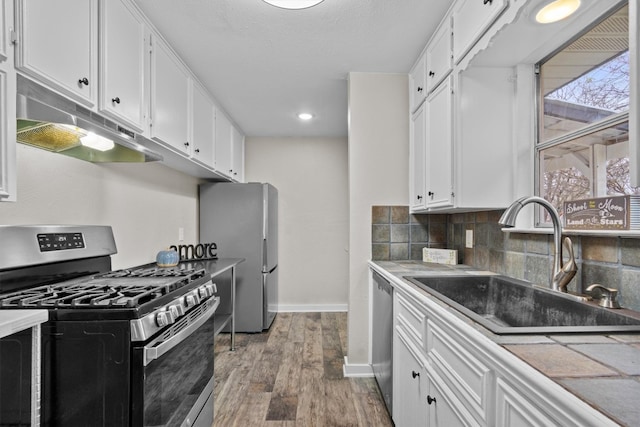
x=144, y=203
x=378, y=175
x=311, y=177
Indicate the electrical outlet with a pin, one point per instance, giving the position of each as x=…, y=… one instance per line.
x=469, y=239
x=180, y=234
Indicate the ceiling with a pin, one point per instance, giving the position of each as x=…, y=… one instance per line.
x=264, y=64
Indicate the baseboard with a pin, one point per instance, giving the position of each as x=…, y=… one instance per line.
x=303, y=308
x=362, y=370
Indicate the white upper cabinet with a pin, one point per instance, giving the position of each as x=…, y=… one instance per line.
x=58, y=45
x=438, y=55
x=170, y=104
x=202, y=126
x=7, y=106
x=122, y=63
x=237, y=155
x=417, y=155
x=224, y=144
x=439, y=146
x=417, y=84
x=471, y=18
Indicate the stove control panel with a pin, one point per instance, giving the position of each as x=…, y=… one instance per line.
x=60, y=241
x=171, y=313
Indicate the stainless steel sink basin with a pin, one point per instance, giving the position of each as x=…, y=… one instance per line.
x=509, y=306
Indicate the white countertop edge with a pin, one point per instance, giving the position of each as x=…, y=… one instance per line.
x=12, y=321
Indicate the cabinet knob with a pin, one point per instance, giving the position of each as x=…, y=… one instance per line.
x=419, y=197
x=431, y=74
x=419, y=89
x=197, y=150
x=431, y=193
x=431, y=400
x=83, y=81
x=488, y=1
x=116, y=100
x=415, y=374
x=186, y=144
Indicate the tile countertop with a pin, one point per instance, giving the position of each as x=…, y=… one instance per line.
x=603, y=370
x=12, y=321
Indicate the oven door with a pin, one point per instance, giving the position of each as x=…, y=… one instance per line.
x=172, y=374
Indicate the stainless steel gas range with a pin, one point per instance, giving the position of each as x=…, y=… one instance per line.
x=130, y=347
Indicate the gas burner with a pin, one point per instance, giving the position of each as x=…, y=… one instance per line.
x=84, y=295
x=155, y=272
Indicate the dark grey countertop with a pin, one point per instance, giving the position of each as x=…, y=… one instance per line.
x=601, y=369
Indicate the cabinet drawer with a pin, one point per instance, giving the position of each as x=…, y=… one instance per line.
x=411, y=317
x=467, y=376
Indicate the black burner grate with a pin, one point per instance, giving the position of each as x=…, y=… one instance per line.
x=117, y=289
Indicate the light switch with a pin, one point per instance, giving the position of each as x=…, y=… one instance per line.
x=469, y=239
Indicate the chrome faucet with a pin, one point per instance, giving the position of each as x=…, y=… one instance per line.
x=562, y=274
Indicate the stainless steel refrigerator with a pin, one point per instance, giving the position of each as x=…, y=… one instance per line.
x=242, y=219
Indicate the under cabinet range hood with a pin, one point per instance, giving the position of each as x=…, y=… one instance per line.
x=49, y=121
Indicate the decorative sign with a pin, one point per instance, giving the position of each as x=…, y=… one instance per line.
x=602, y=213
x=201, y=251
x=440, y=256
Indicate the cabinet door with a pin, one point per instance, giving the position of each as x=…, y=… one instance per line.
x=513, y=409
x=203, y=126
x=4, y=30
x=471, y=18
x=58, y=45
x=7, y=107
x=439, y=144
x=169, y=99
x=237, y=154
x=439, y=55
x=410, y=383
x=417, y=88
x=445, y=410
x=122, y=63
x=417, y=159
x=223, y=144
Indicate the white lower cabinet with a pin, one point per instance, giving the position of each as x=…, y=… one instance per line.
x=420, y=396
x=446, y=374
x=513, y=410
x=409, y=376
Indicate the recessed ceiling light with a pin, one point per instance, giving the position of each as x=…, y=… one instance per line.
x=293, y=4
x=305, y=116
x=556, y=11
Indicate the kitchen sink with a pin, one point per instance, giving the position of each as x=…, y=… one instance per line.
x=506, y=305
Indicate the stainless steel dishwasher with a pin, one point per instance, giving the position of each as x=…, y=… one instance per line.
x=382, y=336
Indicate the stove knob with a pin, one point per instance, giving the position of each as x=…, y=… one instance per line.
x=214, y=287
x=162, y=319
x=176, y=311
x=189, y=301
x=211, y=289
x=202, y=290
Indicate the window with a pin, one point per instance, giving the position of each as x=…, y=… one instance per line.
x=582, y=149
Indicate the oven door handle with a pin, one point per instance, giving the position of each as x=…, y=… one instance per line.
x=153, y=352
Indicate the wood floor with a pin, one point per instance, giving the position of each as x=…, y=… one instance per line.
x=292, y=376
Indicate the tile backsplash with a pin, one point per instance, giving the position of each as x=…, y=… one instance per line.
x=611, y=261
x=398, y=235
